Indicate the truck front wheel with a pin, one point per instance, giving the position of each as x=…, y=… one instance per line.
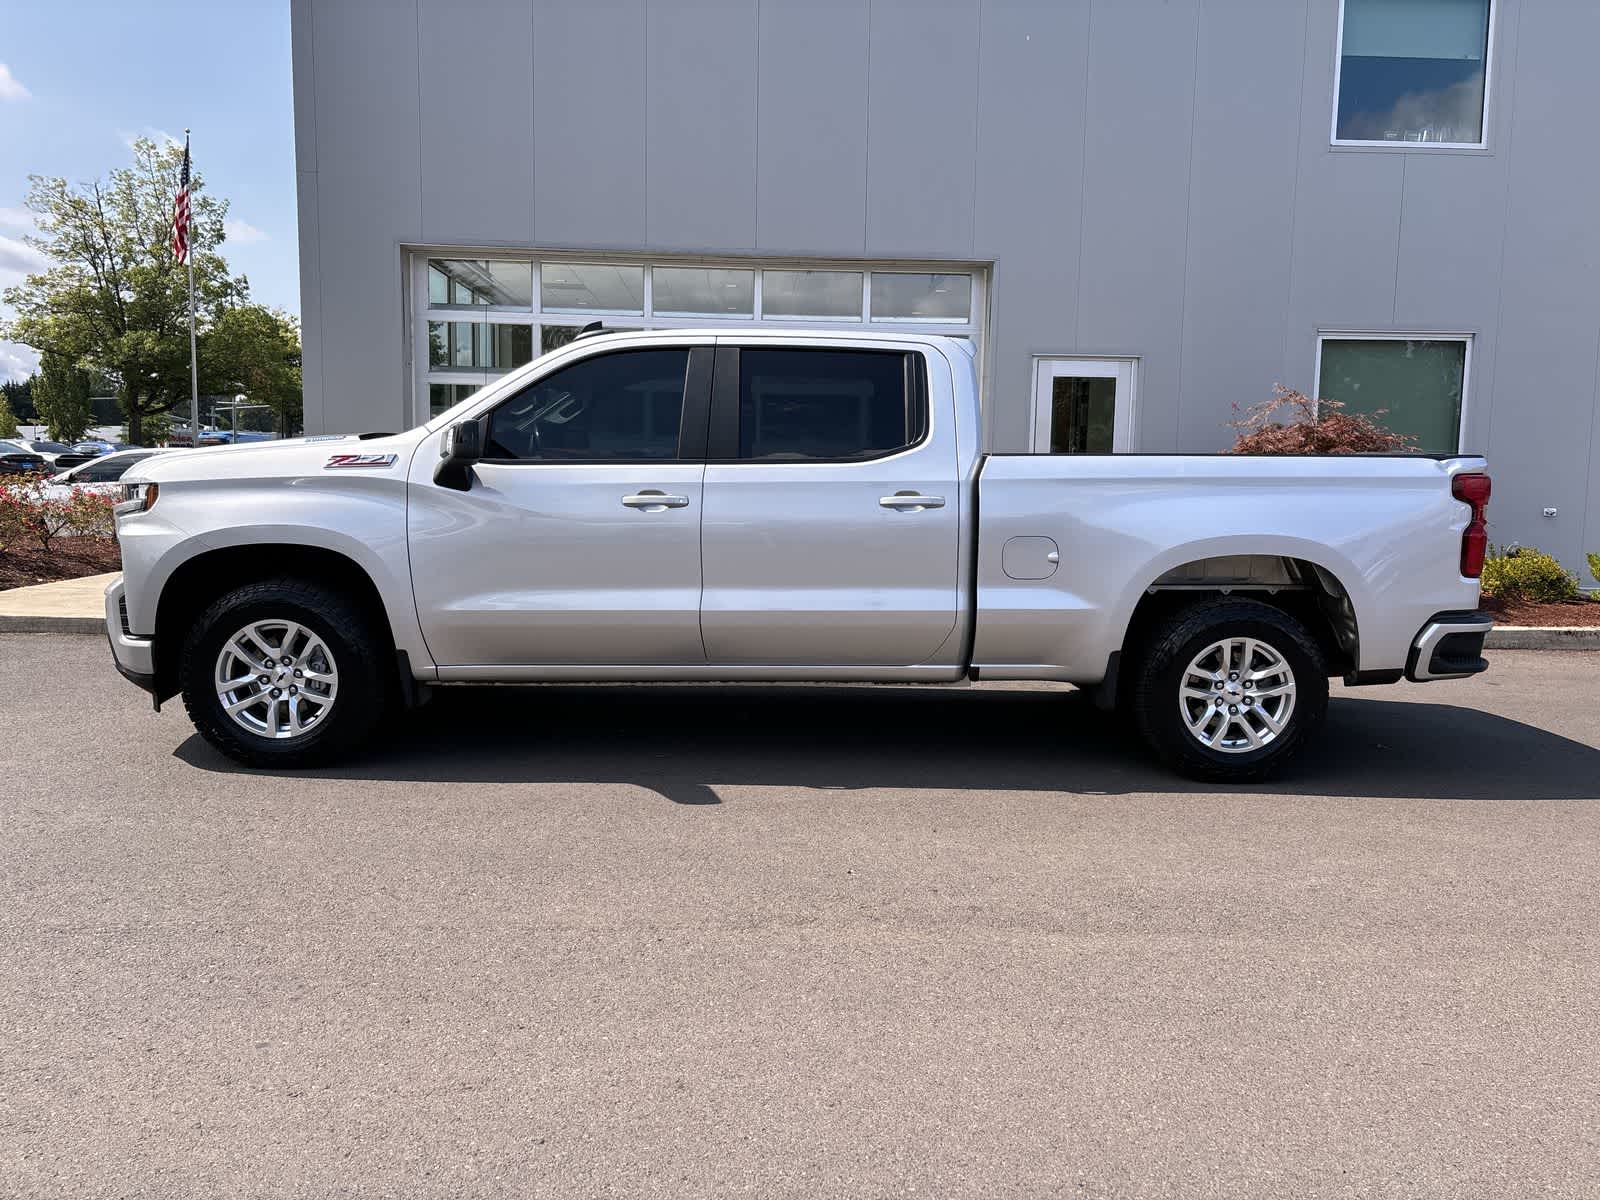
x=284, y=673
x=1229, y=690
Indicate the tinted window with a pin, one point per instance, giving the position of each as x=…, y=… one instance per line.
x=106, y=472
x=823, y=404
x=617, y=407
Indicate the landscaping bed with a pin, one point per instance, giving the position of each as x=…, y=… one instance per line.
x=24, y=564
x=1544, y=615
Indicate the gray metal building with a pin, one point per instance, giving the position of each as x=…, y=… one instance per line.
x=1144, y=212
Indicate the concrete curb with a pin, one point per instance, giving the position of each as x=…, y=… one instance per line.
x=1532, y=637
x=50, y=623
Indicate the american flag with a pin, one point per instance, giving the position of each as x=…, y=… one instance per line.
x=180, y=212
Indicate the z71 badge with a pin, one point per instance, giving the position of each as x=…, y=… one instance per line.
x=359, y=460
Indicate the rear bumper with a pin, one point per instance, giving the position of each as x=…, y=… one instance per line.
x=134, y=657
x=1449, y=646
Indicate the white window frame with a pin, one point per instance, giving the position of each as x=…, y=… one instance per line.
x=1488, y=89
x=1124, y=368
x=422, y=313
x=1373, y=335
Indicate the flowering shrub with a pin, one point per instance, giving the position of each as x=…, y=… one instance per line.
x=1316, y=427
x=28, y=513
x=1524, y=573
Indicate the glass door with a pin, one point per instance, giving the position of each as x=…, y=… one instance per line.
x=1083, y=405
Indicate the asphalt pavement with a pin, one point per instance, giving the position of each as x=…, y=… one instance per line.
x=804, y=941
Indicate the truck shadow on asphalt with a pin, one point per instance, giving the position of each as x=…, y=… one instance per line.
x=685, y=742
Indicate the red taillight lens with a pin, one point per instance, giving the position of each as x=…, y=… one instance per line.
x=1473, y=490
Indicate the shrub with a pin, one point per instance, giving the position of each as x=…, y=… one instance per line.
x=1594, y=565
x=1317, y=427
x=1524, y=573
x=27, y=514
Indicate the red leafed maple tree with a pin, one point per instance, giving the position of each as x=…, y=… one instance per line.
x=1314, y=427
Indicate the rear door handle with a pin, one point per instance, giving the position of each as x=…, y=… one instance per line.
x=911, y=501
x=653, y=501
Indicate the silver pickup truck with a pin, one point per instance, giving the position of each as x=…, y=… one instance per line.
x=692, y=505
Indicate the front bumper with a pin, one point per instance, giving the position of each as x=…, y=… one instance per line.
x=134, y=657
x=1449, y=646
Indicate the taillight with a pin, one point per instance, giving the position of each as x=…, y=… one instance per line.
x=1473, y=490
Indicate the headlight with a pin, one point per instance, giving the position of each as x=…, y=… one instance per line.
x=136, y=497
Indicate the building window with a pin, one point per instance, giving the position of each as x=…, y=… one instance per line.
x=479, y=317
x=1413, y=71
x=1410, y=385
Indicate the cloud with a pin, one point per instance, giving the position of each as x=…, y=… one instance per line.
x=159, y=136
x=17, y=218
x=17, y=361
x=242, y=232
x=10, y=87
x=18, y=259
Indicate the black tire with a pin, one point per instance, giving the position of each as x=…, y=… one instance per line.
x=366, y=676
x=1159, y=676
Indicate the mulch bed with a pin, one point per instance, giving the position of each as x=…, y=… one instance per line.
x=1544, y=616
x=23, y=564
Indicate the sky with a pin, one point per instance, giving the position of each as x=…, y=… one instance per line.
x=80, y=78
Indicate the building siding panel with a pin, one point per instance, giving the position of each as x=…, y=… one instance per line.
x=1028, y=203
x=811, y=186
x=476, y=141
x=1135, y=197
x=368, y=199
x=701, y=115
x=922, y=109
x=588, y=120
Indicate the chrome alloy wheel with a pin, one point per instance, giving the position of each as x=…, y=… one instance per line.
x=1236, y=695
x=276, y=679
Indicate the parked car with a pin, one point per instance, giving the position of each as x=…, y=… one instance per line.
x=779, y=506
x=98, y=474
x=18, y=458
x=82, y=452
x=48, y=450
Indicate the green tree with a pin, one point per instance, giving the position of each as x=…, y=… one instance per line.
x=115, y=300
x=8, y=419
x=61, y=392
x=19, y=396
x=255, y=350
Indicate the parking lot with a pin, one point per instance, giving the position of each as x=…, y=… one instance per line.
x=824, y=941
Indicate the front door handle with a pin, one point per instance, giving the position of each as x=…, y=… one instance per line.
x=654, y=501
x=911, y=501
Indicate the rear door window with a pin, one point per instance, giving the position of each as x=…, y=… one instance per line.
x=827, y=405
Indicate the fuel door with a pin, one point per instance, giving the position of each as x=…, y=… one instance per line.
x=1030, y=558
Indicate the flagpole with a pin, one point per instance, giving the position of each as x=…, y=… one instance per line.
x=194, y=362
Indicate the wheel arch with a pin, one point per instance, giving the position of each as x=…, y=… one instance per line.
x=1300, y=579
x=200, y=579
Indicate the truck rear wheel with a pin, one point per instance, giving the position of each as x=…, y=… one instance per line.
x=284, y=673
x=1229, y=690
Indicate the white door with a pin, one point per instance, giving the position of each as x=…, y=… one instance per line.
x=1083, y=405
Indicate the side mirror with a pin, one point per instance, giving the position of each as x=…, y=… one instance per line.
x=462, y=446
